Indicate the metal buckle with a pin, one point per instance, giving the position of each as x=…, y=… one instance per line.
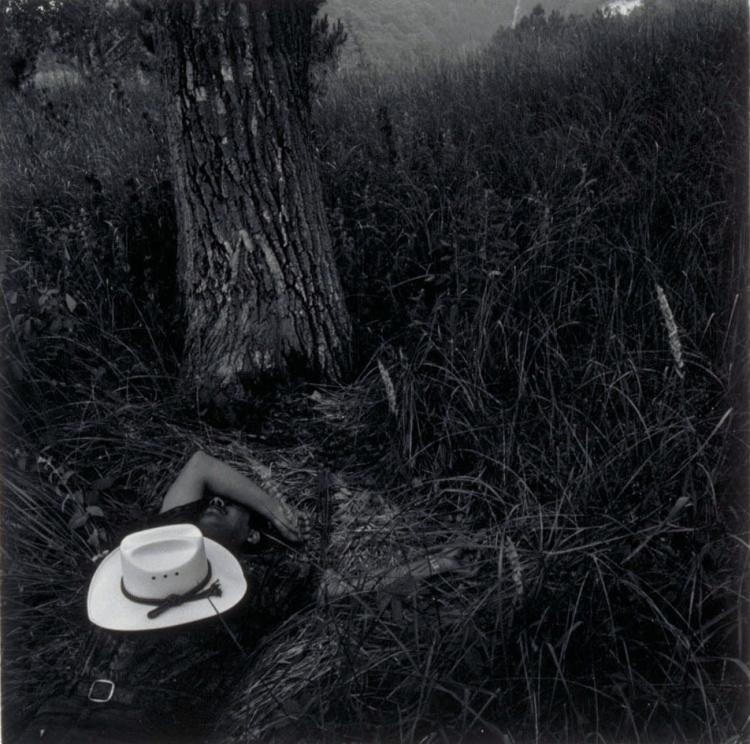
x=105, y=697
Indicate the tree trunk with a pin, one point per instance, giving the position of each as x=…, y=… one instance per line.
x=260, y=289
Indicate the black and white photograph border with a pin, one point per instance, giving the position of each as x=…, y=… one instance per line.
x=374, y=371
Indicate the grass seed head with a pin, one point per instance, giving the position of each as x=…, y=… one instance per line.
x=675, y=346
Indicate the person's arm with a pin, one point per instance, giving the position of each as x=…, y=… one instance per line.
x=333, y=586
x=203, y=472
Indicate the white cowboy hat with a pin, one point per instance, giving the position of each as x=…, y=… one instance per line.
x=163, y=577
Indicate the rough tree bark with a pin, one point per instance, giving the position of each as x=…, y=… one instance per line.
x=260, y=289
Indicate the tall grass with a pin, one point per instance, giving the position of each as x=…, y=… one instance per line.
x=549, y=238
x=543, y=249
x=509, y=221
x=89, y=268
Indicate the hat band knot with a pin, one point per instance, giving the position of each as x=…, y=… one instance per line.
x=175, y=600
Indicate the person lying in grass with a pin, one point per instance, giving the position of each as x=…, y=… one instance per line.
x=231, y=515
x=177, y=611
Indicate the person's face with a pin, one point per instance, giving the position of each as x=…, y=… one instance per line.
x=227, y=523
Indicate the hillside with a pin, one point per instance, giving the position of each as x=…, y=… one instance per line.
x=394, y=31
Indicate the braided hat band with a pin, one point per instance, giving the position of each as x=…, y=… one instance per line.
x=175, y=600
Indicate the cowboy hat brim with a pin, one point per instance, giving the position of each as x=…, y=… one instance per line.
x=109, y=608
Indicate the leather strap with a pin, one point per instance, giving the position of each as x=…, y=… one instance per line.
x=175, y=600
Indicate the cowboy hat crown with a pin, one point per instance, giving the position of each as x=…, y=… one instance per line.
x=163, y=561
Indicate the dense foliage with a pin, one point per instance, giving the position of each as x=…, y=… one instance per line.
x=542, y=246
x=90, y=36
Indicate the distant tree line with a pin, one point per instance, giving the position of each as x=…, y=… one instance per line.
x=99, y=38
x=107, y=37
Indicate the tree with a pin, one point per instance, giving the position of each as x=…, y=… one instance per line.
x=260, y=290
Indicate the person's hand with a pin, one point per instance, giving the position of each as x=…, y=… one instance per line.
x=291, y=523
